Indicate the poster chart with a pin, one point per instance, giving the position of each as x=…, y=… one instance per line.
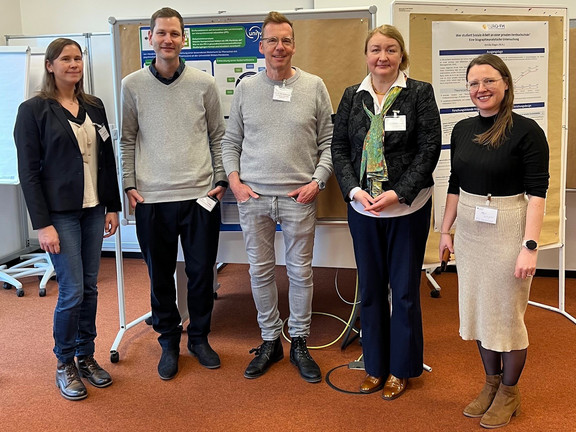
x=229, y=52
x=523, y=45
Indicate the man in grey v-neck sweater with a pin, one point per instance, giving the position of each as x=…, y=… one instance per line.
x=276, y=153
x=172, y=126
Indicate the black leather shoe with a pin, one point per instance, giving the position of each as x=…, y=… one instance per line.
x=300, y=357
x=69, y=382
x=205, y=355
x=93, y=372
x=266, y=354
x=168, y=365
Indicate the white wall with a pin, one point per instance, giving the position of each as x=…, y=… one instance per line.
x=10, y=20
x=72, y=16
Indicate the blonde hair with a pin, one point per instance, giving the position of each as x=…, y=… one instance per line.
x=393, y=33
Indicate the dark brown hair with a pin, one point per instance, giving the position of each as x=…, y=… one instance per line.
x=166, y=12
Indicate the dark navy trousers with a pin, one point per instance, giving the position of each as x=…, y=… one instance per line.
x=390, y=251
x=158, y=227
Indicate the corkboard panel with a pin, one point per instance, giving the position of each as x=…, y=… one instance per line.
x=571, y=151
x=421, y=68
x=340, y=65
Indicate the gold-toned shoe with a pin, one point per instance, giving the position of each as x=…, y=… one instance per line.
x=371, y=384
x=394, y=387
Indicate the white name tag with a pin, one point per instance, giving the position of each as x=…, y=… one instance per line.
x=486, y=215
x=395, y=123
x=283, y=94
x=207, y=202
x=103, y=132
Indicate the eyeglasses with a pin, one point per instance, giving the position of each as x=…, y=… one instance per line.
x=273, y=41
x=488, y=83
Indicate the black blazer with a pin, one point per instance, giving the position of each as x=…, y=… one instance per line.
x=50, y=164
x=411, y=155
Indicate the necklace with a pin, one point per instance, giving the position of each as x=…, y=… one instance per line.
x=376, y=91
x=68, y=102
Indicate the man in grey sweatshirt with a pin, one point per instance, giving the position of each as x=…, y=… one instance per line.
x=172, y=126
x=276, y=152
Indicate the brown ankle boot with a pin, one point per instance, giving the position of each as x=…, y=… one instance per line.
x=480, y=405
x=505, y=405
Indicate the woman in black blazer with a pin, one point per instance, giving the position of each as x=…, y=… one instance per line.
x=386, y=144
x=68, y=175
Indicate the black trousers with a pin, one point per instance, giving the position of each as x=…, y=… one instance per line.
x=158, y=227
x=391, y=251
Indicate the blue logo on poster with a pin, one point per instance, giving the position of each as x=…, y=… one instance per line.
x=253, y=33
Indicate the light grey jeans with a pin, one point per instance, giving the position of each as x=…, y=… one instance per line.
x=258, y=219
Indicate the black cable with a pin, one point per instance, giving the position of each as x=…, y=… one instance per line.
x=327, y=378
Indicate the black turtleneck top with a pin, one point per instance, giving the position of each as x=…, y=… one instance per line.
x=519, y=165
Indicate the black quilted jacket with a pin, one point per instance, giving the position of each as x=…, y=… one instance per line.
x=411, y=155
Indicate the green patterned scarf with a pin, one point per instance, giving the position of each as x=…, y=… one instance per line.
x=373, y=161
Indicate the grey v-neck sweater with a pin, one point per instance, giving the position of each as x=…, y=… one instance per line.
x=171, y=135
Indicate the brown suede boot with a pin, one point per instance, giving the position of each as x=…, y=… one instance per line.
x=505, y=405
x=480, y=405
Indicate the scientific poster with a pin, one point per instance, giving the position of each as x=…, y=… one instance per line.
x=229, y=52
x=524, y=48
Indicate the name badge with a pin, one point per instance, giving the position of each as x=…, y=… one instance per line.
x=395, y=123
x=283, y=94
x=207, y=202
x=486, y=215
x=102, y=131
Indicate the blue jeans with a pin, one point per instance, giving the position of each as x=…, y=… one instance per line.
x=81, y=233
x=258, y=218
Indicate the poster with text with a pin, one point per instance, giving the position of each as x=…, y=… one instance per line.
x=524, y=48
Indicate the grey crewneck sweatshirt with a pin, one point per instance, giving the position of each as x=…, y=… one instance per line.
x=278, y=146
x=171, y=135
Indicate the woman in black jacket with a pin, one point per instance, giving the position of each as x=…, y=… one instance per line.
x=68, y=175
x=386, y=144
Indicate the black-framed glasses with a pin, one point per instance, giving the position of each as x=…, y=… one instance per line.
x=488, y=83
x=273, y=41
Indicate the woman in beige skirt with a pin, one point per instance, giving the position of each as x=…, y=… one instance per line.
x=497, y=188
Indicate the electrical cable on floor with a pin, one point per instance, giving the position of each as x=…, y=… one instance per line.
x=352, y=303
x=348, y=324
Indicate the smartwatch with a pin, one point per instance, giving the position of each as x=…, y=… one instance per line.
x=530, y=245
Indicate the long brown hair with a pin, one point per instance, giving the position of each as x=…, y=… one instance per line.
x=49, y=89
x=496, y=135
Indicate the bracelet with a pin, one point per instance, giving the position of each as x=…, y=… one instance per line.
x=445, y=233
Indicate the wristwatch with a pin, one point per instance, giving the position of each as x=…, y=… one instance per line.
x=321, y=184
x=530, y=245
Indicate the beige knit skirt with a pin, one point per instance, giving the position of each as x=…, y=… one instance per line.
x=492, y=300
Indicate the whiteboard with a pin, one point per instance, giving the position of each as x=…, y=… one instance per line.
x=97, y=52
x=15, y=63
